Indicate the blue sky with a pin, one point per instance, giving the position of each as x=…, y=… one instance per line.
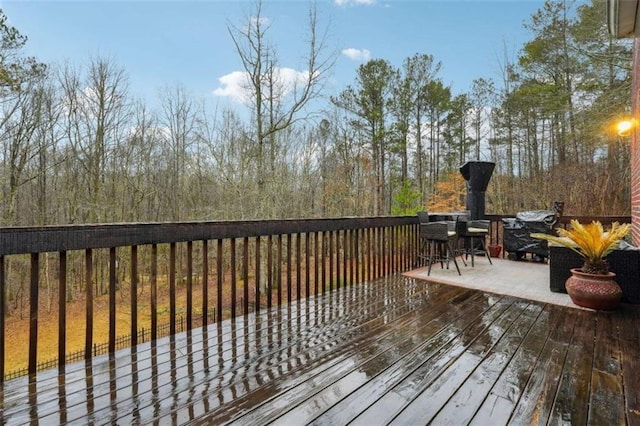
x=164, y=43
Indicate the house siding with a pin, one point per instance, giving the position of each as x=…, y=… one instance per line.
x=635, y=146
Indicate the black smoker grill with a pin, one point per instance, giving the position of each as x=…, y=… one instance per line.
x=517, y=239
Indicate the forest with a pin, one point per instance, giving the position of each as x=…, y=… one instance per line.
x=77, y=147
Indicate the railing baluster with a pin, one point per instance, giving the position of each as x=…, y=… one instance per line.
x=219, y=272
x=397, y=250
x=3, y=286
x=154, y=292
x=358, y=234
x=324, y=261
x=33, y=316
x=205, y=283
x=406, y=240
x=375, y=246
x=233, y=278
x=331, y=234
x=134, y=295
x=88, y=341
x=387, y=252
x=269, y=271
x=374, y=253
x=381, y=252
x=289, y=274
x=397, y=262
x=339, y=246
x=402, y=247
x=373, y=250
x=279, y=270
x=406, y=244
x=367, y=239
x=257, y=280
x=298, y=266
x=307, y=264
x=62, y=311
x=415, y=242
x=385, y=248
x=346, y=248
x=190, y=285
x=112, y=300
x=316, y=259
x=412, y=245
x=391, y=246
x=172, y=288
x=352, y=264
x=245, y=274
x=392, y=252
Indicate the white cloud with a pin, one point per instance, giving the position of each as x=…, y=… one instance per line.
x=262, y=21
x=233, y=85
x=236, y=85
x=357, y=54
x=353, y=2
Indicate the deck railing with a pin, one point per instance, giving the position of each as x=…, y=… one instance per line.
x=141, y=281
x=140, y=272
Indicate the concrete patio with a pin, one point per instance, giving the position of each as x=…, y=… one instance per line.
x=523, y=279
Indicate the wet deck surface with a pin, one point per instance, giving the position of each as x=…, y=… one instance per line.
x=397, y=350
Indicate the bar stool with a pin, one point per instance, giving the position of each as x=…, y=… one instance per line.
x=423, y=219
x=437, y=238
x=472, y=233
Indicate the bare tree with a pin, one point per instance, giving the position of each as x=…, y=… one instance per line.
x=139, y=158
x=97, y=110
x=178, y=119
x=277, y=96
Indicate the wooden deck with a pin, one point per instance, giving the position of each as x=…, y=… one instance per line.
x=396, y=350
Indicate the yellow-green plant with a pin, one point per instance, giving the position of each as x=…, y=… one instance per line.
x=590, y=241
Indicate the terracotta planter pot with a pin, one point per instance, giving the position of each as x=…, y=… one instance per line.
x=593, y=290
x=494, y=250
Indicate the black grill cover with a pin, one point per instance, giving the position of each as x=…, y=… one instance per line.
x=517, y=231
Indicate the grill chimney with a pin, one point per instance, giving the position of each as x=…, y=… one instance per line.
x=477, y=175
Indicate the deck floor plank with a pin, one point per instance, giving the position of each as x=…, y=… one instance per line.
x=463, y=405
x=572, y=400
x=352, y=405
x=538, y=396
x=428, y=403
x=288, y=355
x=430, y=333
x=393, y=350
x=399, y=395
x=607, y=403
x=503, y=397
x=360, y=348
x=630, y=352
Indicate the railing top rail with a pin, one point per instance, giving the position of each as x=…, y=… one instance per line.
x=41, y=239
x=22, y=240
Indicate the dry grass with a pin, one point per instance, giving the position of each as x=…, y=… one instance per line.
x=17, y=326
x=17, y=329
